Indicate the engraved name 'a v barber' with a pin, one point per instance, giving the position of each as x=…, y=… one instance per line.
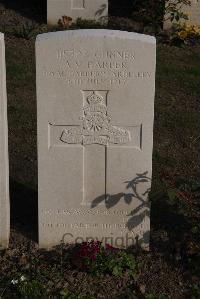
x=96, y=126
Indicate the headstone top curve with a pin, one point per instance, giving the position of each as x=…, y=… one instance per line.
x=97, y=33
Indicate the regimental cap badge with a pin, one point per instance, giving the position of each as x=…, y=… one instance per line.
x=96, y=127
x=96, y=104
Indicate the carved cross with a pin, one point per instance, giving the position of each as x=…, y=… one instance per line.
x=95, y=135
x=78, y=4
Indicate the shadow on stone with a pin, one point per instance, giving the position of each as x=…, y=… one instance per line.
x=100, y=12
x=112, y=199
x=140, y=212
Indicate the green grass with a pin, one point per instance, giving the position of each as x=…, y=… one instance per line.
x=178, y=68
x=20, y=63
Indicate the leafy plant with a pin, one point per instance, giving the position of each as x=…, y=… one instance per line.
x=171, y=193
x=194, y=263
x=98, y=260
x=148, y=12
x=152, y=296
x=29, y=288
x=196, y=291
x=185, y=34
x=189, y=185
x=173, y=10
x=122, y=262
x=26, y=30
x=66, y=294
x=196, y=230
x=84, y=24
x=177, y=191
x=32, y=289
x=152, y=12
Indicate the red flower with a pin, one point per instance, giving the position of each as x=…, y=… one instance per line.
x=109, y=247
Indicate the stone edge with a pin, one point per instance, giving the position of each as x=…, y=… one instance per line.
x=97, y=33
x=5, y=242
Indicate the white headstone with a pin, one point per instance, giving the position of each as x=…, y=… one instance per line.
x=95, y=95
x=85, y=9
x=192, y=11
x=4, y=177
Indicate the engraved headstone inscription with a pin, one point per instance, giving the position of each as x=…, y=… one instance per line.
x=4, y=177
x=95, y=101
x=84, y=9
x=192, y=11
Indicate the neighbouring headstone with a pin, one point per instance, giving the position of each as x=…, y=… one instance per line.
x=4, y=177
x=192, y=11
x=95, y=99
x=85, y=9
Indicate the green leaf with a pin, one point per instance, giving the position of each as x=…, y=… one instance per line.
x=117, y=271
x=172, y=194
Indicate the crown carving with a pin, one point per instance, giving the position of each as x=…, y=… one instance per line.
x=95, y=99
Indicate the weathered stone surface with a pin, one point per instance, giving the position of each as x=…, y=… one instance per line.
x=193, y=12
x=95, y=95
x=4, y=177
x=85, y=9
